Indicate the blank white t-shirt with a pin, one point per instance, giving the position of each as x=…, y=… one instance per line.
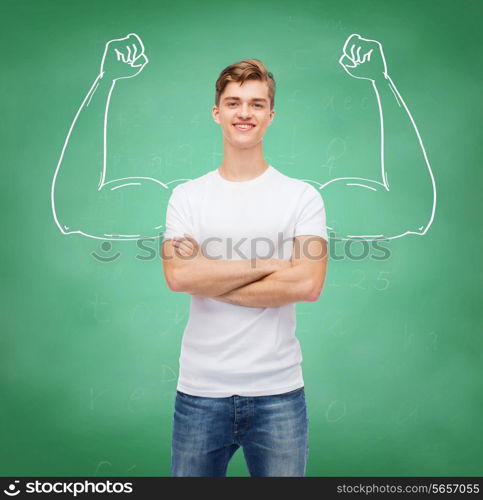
x=229, y=349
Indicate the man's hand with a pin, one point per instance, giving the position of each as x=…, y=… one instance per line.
x=123, y=58
x=363, y=58
x=187, y=247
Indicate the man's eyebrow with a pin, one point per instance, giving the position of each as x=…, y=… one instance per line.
x=253, y=99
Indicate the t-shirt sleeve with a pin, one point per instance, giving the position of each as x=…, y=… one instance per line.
x=178, y=215
x=311, y=218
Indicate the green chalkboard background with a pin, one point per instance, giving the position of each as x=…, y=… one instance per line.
x=89, y=349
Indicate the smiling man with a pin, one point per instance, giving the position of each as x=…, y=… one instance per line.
x=246, y=242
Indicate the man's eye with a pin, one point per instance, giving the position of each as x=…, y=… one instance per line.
x=259, y=105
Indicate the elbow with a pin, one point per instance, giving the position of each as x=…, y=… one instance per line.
x=314, y=291
x=64, y=228
x=175, y=281
x=173, y=286
x=313, y=296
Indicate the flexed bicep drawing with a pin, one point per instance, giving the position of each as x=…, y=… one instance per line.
x=402, y=199
x=86, y=202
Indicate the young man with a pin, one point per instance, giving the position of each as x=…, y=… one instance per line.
x=246, y=242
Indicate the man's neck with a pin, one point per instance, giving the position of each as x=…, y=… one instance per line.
x=242, y=164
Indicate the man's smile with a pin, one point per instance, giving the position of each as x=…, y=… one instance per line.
x=244, y=127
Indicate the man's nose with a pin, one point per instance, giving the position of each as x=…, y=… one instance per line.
x=244, y=110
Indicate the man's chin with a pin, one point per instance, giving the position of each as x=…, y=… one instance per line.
x=244, y=142
x=240, y=144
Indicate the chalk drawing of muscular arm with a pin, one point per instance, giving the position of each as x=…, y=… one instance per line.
x=84, y=202
x=403, y=200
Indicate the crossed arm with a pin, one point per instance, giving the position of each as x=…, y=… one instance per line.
x=251, y=283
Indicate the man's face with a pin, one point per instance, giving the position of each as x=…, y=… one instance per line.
x=244, y=113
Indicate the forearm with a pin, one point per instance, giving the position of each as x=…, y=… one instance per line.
x=80, y=169
x=82, y=162
x=212, y=277
x=286, y=286
x=402, y=167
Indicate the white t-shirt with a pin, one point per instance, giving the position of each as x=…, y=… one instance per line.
x=229, y=349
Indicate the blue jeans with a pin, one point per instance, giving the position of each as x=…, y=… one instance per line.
x=272, y=430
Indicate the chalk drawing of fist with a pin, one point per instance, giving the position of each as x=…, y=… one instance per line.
x=123, y=57
x=363, y=58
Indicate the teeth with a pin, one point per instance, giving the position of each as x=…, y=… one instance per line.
x=243, y=126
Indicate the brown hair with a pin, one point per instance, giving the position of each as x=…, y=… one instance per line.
x=248, y=69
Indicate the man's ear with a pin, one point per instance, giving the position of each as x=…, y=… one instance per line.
x=215, y=112
x=272, y=115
